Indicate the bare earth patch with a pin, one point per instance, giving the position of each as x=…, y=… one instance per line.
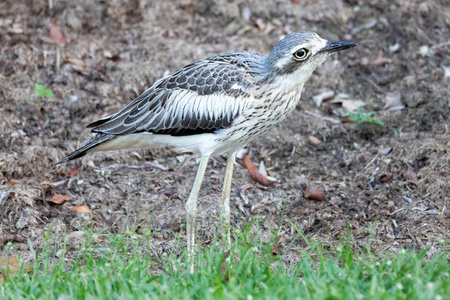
x=391, y=180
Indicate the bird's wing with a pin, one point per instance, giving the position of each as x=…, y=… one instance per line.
x=202, y=97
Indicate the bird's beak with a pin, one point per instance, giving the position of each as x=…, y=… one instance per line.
x=335, y=46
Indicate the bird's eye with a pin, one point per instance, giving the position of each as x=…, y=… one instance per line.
x=301, y=54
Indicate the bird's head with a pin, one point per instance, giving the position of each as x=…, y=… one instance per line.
x=298, y=54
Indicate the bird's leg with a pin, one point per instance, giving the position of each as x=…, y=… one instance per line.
x=191, y=210
x=225, y=199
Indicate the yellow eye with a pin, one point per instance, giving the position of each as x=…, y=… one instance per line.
x=301, y=54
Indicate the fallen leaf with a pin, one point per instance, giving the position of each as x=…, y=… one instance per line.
x=254, y=173
x=317, y=99
x=410, y=176
x=381, y=61
x=78, y=64
x=313, y=192
x=354, y=224
x=80, y=209
x=56, y=34
x=262, y=170
x=13, y=181
x=352, y=105
x=343, y=223
x=73, y=171
x=276, y=246
x=313, y=140
x=59, y=199
x=107, y=54
x=349, y=104
x=384, y=178
x=11, y=238
x=393, y=101
x=11, y=266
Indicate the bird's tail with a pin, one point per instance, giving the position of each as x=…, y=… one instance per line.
x=89, y=145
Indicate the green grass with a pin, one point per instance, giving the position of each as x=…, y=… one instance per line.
x=41, y=91
x=361, y=116
x=111, y=266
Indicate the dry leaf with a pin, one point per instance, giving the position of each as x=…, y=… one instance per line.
x=410, y=176
x=262, y=170
x=13, y=181
x=11, y=238
x=313, y=140
x=80, y=209
x=56, y=34
x=317, y=99
x=352, y=105
x=313, y=192
x=59, y=199
x=73, y=172
x=107, y=54
x=77, y=64
x=276, y=246
x=354, y=224
x=393, y=101
x=11, y=266
x=384, y=178
x=349, y=104
x=381, y=61
x=254, y=173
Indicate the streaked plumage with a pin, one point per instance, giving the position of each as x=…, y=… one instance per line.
x=216, y=105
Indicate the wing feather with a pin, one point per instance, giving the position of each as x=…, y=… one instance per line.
x=201, y=97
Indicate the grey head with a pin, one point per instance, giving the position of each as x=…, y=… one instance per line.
x=300, y=53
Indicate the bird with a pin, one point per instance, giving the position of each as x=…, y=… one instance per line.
x=215, y=106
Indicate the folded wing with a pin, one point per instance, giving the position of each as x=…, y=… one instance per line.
x=199, y=98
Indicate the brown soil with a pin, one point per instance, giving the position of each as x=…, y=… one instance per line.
x=128, y=46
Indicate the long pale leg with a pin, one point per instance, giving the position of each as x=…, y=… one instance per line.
x=191, y=210
x=225, y=199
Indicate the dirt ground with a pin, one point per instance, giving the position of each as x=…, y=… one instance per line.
x=124, y=46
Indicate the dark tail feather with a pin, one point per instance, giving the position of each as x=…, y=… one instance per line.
x=99, y=122
x=95, y=141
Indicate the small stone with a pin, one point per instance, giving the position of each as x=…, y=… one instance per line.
x=386, y=151
x=58, y=253
x=313, y=140
x=394, y=48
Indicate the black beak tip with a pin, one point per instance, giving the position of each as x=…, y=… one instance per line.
x=335, y=46
x=351, y=44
